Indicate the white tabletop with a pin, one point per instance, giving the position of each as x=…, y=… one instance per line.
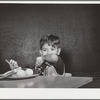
x=46, y=82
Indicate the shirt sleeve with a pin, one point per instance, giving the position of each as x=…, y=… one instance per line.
x=59, y=66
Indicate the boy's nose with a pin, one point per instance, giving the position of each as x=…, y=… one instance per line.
x=48, y=52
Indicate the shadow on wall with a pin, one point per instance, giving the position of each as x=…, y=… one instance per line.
x=67, y=59
x=3, y=66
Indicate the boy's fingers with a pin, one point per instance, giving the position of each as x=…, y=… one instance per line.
x=39, y=61
x=37, y=64
x=12, y=61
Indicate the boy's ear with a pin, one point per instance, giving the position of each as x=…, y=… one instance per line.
x=59, y=50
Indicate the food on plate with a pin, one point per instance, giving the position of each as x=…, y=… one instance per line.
x=14, y=75
x=17, y=69
x=8, y=73
x=29, y=72
x=21, y=73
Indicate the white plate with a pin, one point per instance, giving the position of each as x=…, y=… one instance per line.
x=27, y=77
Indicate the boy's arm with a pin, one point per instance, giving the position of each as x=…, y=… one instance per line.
x=57, y=62
x=52, y=58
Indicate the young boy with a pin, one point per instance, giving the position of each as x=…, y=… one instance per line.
x=49, y=62
x=50, y=51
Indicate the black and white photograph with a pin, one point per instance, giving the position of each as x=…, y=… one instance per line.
x=50, y=46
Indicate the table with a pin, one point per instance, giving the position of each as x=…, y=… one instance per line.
x=94, y=84
x=47, y=82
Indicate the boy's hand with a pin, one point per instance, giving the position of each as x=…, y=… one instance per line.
x=39, y=61
x=13, y=64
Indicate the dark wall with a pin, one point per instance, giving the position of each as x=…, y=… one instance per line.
x=21, y=27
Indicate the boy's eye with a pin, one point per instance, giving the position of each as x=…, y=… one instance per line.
x=44, y=50
x=52, y=49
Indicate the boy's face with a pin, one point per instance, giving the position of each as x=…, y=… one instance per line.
x=49, y=49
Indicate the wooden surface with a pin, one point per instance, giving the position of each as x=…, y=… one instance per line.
x=46, y=82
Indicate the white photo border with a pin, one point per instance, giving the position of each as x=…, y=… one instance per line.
x=42, y=93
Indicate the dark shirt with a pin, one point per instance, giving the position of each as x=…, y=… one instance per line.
x=59, y=66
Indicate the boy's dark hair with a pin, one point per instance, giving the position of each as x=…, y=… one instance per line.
x=51, y=40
